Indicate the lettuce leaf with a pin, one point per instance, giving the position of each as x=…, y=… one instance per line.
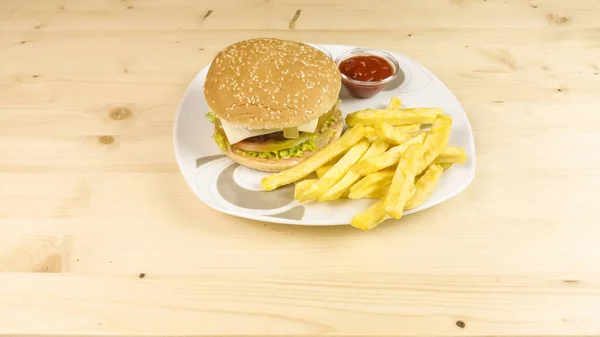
x=295, y=151
x=211, y=117
x=221, y=141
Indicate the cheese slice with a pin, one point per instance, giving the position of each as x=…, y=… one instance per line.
x=236, y=133
x=310, y=127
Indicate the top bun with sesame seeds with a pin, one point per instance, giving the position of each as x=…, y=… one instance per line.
x=268, y=83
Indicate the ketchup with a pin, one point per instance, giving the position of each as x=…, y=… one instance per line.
x=365, y=75
x=368, y=68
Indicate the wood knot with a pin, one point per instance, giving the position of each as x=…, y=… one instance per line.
x=120, y=113
x=207, y=14
x=106, y=140
x=292, y=24
x=52, y=263
x=142, y=275
x=461, y=324
x=556, y=20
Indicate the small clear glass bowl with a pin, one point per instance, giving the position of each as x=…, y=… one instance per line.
x=367, y=89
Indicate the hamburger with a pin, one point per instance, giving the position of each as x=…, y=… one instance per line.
x=273, y=102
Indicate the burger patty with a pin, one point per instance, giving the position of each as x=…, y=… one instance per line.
x=271, y=138
x=276, y=136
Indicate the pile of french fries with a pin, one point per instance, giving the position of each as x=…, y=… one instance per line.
x=395, y=155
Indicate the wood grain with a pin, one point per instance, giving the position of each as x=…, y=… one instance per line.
x=100, y=235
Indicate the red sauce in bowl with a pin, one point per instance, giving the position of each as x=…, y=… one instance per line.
x=366, y=74
x=368, y=68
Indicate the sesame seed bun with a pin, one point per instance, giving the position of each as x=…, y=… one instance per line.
x=271, y=84
x=278, y=165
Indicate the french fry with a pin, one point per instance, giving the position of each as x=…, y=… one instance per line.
x=336, y=191
x=347, y=140
x=337, y=171
x=370, y=133
x=395, y=103
x=370, y=183
x=371, y=217
x=378, y=193
x=435, y=141
x=387, y=132
x=403, y=181
x=368, y=192
x=323, y=169
x=395, y=117
x=411, y=128
x=424, y=186
x=301, y=187
x=389, y=158
x=451, y=154
x=445, y=166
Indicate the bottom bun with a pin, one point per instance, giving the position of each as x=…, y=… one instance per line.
x=278, y=165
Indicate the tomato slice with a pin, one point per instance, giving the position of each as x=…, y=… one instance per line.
x=272, y=145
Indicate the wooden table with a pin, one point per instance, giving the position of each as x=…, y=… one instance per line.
x=100, y=235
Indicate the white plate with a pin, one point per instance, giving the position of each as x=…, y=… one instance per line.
x=235, y=190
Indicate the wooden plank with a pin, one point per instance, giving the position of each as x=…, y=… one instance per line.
x=86, y=143
x=33, y=6
x=296, y=305
x=446, y=14
x=153, y=54
x=524, y=85
x=143, y=73
x=93, y=153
